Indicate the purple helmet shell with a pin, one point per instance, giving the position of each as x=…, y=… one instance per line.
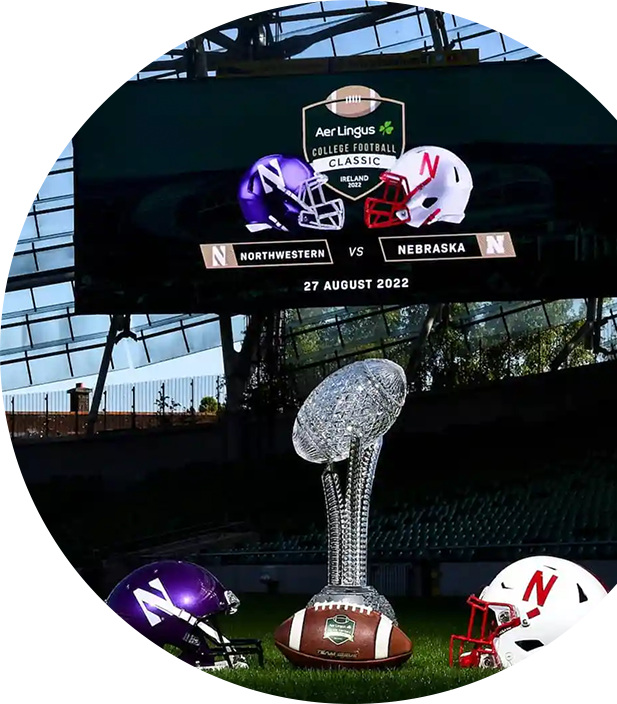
x=175, y=604
x=285, y=193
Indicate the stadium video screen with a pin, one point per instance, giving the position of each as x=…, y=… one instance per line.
x=486, y=182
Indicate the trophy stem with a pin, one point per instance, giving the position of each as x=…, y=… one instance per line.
x=345, y=419
x=335, y=522
x=372, y=456
x=361, y=473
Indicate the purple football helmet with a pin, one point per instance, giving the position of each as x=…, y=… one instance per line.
x=176, y=606
x=285, y=193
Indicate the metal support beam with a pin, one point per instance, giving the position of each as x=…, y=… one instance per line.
x=242, y=17
x=99, y=51
x=435, y=23
x=596, y=338
x=40, y=278
x=297, y=44
x=194, y=23
x=433, y=315
x=591, y=317
x=117, y=322
x=238, y=365
x=593, y=320
x=582, y=333
x=196, y=58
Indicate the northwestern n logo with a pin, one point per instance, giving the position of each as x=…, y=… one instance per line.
x=271, y=176
x=353, y=136
x=160, y=601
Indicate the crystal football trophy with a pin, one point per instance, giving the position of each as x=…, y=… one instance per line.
x=345, y=418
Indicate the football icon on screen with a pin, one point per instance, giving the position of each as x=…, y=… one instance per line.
x=425, y=185
x=353, y=101
x=285, y=193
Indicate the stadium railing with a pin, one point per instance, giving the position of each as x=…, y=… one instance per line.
x=124, y=407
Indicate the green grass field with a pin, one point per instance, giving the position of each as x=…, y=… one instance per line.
x=51, y=651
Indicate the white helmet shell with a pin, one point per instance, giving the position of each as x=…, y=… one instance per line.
x=548, y=596
x=425, y=185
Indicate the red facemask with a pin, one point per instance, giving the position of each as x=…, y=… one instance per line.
x=480, y=640
x=382, y=212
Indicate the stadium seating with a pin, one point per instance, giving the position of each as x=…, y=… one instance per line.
x=470, y=507
x=566, y=509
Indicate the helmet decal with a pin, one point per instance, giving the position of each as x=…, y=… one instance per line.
x=270, y=175
x=285, y=193
x=428, y=165
x=542, y=591
x=147, y=599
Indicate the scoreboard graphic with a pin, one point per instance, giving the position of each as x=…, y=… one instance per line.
x=395, y=249
x=370, y=188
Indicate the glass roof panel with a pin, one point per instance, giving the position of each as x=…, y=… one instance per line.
x=36, y=197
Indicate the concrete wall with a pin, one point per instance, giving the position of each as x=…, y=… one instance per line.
x=527, y=399
x=125, y=457
x=119, y=459
x=457, y=579
x=393, y=580
x=462, y=579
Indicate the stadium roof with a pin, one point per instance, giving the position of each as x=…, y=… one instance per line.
x=48, y=45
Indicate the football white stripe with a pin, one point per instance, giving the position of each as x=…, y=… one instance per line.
x=382, y=638
x=295, y=633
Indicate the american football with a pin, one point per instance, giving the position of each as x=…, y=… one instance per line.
x=382, y=381
x=353, y=101
x=341, y=635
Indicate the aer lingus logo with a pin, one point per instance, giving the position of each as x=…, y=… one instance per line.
x=353, y=136
x=339, y=629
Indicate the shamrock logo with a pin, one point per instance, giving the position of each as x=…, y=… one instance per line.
x=387, y=127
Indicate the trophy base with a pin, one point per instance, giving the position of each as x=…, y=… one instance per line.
x=363, y=596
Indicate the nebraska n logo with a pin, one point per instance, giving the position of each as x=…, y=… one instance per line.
x=542, y=590
x=426, y=164
x=536, y=583
x=353, y=136
x=164, y=603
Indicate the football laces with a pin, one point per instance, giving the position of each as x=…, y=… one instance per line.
x=323, y=605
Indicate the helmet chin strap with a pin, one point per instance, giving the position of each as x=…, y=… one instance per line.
x=237, y=661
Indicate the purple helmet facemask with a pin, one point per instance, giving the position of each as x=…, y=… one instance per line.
x=176, y=605
x=285, y=193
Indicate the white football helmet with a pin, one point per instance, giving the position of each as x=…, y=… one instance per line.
x=424, y=186
x=528, y=604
